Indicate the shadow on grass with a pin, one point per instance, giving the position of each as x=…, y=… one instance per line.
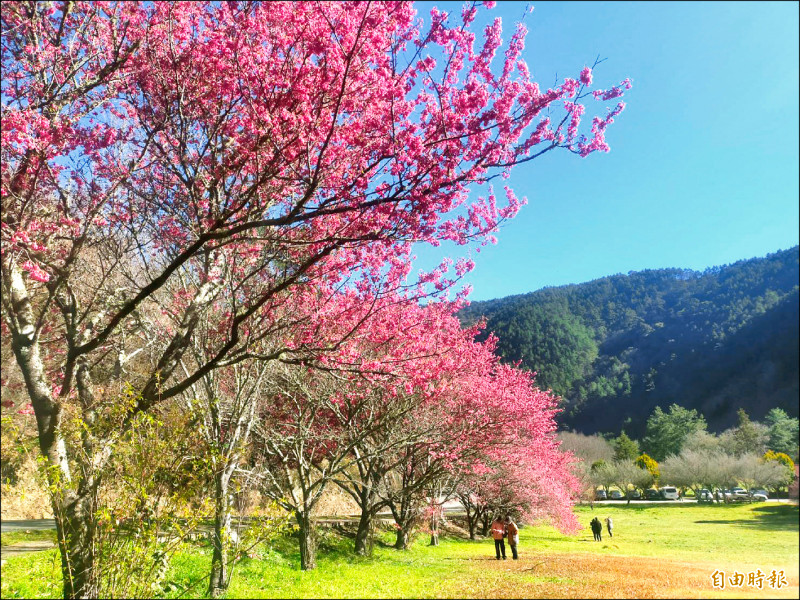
x=773, y=518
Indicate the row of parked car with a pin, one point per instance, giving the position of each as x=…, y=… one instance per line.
x=735, y=494
x=664, y=493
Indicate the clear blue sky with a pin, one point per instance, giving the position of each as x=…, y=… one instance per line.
x=703, y=168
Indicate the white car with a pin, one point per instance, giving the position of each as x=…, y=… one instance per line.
x=669, y=493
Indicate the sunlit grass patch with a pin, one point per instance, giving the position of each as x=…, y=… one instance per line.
x=30, y=535
x=32, y=575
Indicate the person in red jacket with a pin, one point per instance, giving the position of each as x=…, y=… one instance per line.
x=513, y=536
x=498, y=533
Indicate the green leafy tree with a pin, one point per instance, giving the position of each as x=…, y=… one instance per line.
x=604, y=474
x=667, y=432
x=625, y=449
x=783, y=432
x=749, y=437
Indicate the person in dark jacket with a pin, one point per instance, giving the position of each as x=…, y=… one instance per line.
x=597, y=529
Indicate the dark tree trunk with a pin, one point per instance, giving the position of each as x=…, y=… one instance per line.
x=218, y=581
x=404, y=521
x=485, y=524
x=363, y=533
x=308, y=549
x=472, y=519
x=402, y=538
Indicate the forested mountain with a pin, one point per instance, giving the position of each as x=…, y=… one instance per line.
x=616, y=347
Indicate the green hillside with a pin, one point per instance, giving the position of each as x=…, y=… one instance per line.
x=616, y=347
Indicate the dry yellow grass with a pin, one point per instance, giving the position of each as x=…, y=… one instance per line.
x=591, y=576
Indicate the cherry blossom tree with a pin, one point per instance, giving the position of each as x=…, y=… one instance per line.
x=336, y=415
x=170, y=154
x=427, y=348
x=226, y=401
x=497, y=430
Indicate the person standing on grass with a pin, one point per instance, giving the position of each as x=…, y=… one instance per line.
x=498, y=533
x=513, y=536
x=609, y=525
x=597, y=529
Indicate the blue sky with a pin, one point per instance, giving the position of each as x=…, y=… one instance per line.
x=703, y=168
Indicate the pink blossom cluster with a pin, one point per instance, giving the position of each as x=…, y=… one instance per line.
x=598, y=141
x=613, y=92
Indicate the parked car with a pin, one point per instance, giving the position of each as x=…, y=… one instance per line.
x=600, y=495
x=616, y=495
x=755, y=497
x=760, y=492
x=669, y=493
x=736, y=495
x=634, y=494
x=652, y=494
x=705, y=495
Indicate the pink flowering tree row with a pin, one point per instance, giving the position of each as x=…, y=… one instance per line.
x=399, y=410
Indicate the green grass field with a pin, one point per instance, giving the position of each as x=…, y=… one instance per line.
x=656, y=551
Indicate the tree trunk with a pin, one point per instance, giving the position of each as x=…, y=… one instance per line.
x=485, y=524
x=76, y=529
x=363, y=533
x=434, y=531
x=73, y=510
x=402, y=538
x=471, y=520
x=218, y=581
x=308, y=550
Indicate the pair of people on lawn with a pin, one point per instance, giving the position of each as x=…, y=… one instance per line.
x=505, y=528
x=597, y=528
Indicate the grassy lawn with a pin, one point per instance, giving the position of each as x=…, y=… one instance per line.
x=33, y=535
x=656, y=552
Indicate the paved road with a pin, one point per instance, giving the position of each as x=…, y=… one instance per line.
x=29, y=546
x=31, y=524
